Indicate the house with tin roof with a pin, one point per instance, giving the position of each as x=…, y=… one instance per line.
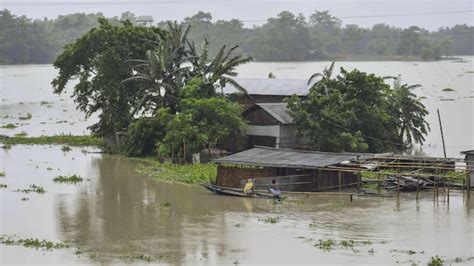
x=271, y=125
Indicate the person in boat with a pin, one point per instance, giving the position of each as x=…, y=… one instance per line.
x=248, y=189
x=274, y=189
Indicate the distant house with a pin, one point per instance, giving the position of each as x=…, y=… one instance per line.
x=145, y=20
x=294, y=170
x=269, y=122
x=271, y=125
x=469, y=158
x=266, y=90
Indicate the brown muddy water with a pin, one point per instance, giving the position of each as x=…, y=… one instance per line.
x=116, y=215
x=26, y=89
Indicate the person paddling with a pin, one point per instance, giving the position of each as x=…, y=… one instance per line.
x=248, y=189
x=274, y=189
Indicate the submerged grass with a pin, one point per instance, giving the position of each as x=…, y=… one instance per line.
x=188, y=173
x=73, y=179
x=33, y=243
x=33, y=188
x=271, y=220
x=9, y=126
x=56, y=139
x=28, y=116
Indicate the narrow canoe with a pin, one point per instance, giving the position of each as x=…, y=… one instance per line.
x=226, y=191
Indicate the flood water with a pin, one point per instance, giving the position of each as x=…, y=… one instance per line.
x=115, y=214
x=26, y=89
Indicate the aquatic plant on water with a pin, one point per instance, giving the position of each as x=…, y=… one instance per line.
x=2, y=174
x=165, y=204
x=73, y=179
x=327, y=244
x=33, y=188
x=271, y=220
x=26, y=117
x=70, y=140
x=435, y=261
x=9, y=126
x=65, y=148
x=32, y=243
x=3, y=186
x=189, y=173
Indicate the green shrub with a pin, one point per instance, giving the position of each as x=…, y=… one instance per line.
x=144, y=133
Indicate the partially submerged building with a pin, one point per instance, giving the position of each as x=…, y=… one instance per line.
x=294, y=170
x=266, y=90
x=269, y=121
x=271, y=125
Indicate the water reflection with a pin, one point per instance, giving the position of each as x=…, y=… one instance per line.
x=119, y=213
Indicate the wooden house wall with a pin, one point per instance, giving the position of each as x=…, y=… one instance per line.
x=311, y=180
x=330, y=179
x=228, y=176
x=258, y=116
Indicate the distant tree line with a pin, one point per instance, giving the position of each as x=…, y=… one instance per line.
x=286, y=37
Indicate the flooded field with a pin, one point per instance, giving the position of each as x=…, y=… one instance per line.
x=26, y=90
x=116, y=215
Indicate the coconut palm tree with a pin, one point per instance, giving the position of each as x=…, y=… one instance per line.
x=410, y=112
x=162, y=73
x=219, y=71
x=325, y=76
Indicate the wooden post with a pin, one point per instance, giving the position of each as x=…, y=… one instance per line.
x=378, y=183
x=447, y=192
x=359, y=177
x=442, y=135
x=417, y=186
x=398, y=186
x=340, y=181
x=468, y=184
x=437, y=186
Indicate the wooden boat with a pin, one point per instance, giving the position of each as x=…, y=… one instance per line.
x=227, y=191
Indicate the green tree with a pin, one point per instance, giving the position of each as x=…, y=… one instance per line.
x=99, y=61
x=410, y=114
x=348, y=113
x=202, y=123
x=145, y=132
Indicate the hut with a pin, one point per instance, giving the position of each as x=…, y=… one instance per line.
x=265, y=90
x=294, y=170
x=469, y=159
x=145, y=20
x=271, y=125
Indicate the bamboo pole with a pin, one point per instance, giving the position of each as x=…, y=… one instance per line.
x=442, y=135
x=340, y=181
x=398, y=186
x=447, y=192
x=417, y=187
x=378, y=184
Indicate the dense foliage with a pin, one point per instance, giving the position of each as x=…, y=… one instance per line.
x=356, y=111
x=286, y=37
x=154, y=85
x=99, y=61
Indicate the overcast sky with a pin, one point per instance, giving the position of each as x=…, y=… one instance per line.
x=256, y=11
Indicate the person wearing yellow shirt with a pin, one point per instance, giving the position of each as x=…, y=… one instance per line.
x=248, y=189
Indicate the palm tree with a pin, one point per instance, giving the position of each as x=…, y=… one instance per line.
x=216, y=73
x=325, y=77
x=411, y=113
x=162, y=72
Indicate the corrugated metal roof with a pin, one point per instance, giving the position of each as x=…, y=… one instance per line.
x=278, y=110
x=273, y=157
x=270, y=86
